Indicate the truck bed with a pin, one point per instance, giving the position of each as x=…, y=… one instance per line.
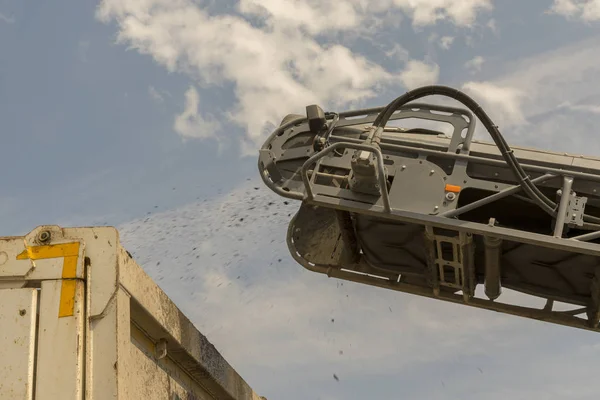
x=80, y=319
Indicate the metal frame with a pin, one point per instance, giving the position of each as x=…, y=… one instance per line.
x=341, y=199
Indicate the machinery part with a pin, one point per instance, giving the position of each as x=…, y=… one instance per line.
x=493, y=258
x=443, y=195
x=316, y=118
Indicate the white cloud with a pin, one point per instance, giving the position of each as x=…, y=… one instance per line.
x=398, y=52
x=446, y=42
x=589, y=108
x=418, y=73
x=428, y=12
x=269, y=67
x=493, y=25
x=474, y=65
x=190, y=123
x=276, y=64
x=587, y=10
x=503, y=103
x=8, y=20
x=155, y=95
x=314, y=16
x=550, y=90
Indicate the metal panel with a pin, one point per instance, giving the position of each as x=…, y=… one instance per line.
x=60, y=345
x=160, y=318
x=18, y=309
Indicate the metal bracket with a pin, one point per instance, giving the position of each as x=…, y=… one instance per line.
x=575, y=210
x=450, y=260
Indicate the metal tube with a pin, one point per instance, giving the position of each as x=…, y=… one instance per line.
x=493, y=256
x=482, y=160
x=326, y=175
x=587, y=236
x=561, y=216
x=494, y=197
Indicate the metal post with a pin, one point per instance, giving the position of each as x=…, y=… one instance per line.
x=587, y=236
x=562, y=207
x=494, y=197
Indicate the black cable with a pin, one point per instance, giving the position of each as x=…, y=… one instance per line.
x=530, y=189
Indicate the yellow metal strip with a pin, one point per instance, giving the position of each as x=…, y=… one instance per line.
x=70, y=267
x=66, y=307
x=49, y=251
x=70, y=253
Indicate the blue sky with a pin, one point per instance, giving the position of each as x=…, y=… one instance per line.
x=147, y=115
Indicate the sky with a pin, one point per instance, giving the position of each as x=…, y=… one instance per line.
x=147, y=115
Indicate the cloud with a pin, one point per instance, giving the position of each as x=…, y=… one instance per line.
x=190, y=123
x=8, y=20
x=155, y=95
x=459, y=12
x=446, y=42
x=314, y=16
x=399, y=53
x=275, y=52
x=493, y=26
x=474, y=65
x=536, y=91
x=588, y=108
x=587, y=10
x=502, y=102
x=418, y=73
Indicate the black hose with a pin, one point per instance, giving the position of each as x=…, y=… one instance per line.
x=530, y=189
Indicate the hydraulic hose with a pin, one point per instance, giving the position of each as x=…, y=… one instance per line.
x=530, y=189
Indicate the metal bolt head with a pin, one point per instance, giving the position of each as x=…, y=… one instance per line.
x=432, y=172
x=44, y=236
x=450, y=196
x=403, y=167
x=436, y=208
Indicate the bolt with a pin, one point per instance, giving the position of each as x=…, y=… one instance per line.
x=44, y=236
x=450, y=196
x=431, y=172
x=403, y=167
x=436, y=208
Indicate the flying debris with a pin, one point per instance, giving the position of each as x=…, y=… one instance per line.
x=436, y=215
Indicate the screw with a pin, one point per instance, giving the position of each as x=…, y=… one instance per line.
x=44, y=236
x=403, y=167
x=436, y=208
x=431, y=172
x=450, y=196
